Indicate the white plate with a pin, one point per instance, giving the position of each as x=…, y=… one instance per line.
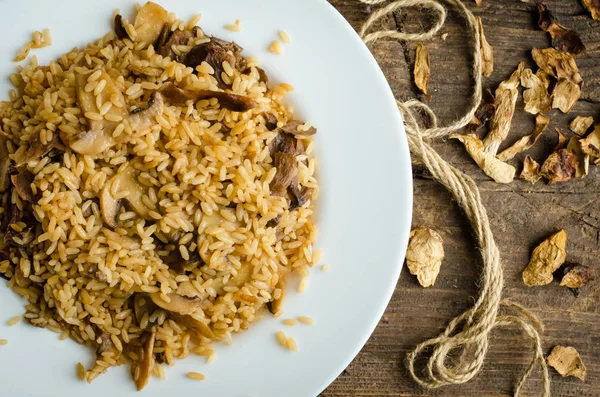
x=364, y=209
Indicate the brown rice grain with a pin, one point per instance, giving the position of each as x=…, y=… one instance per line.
x=13, y=320
x=196, y=376
x=290, y=322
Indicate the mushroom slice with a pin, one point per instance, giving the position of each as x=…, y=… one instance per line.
x=145, y=363
x=178, y=303
x=99, y=138
x=215, y=52
x=149, y=71
x=127, y=186
x=178, y=96
x=149, y=22
x=144, y=119
x=195, y=324
x=287, y=170
x=299, y=128
x=166, y=42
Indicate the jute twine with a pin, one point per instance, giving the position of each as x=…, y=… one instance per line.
x=458, y=354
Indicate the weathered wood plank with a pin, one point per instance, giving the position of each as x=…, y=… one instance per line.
x=521, y=214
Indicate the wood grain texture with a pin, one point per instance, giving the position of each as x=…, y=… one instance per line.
x=521, y=214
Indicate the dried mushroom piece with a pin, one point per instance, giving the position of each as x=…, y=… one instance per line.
x=526, y=142
x=22, y=179
x=583, y=168
x=118, y=27
x=575, y=276
x=167, y=40
x=561, y=65
x=146, y=360
x=567, y=362
x=287, y=170
x=546, y=259
x=179, y=304
x=593, y=6
x=496, y=169
x=487, y=52
x=560, y=166
x=563, y=39
x=591, y=144
x=505, y=101
x=178, y=96
x=214, y=53
x=562, y=140
x=425, y=255
x=536, y=95
x=580, y=125
x=531, y=170
x=143, y=119
x=422, y=70
x=299, y=128
x=149, y=22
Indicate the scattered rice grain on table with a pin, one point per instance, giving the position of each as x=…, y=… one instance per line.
x=281, y=338
x=276, y=47
x=289, y=322
x=235, y=27
x=3, y=342
x=80, y=371
x=306, y=320
x=155, y=199
x=291, y=344
x=285, y=37
x=196, y=376
x=13, y=320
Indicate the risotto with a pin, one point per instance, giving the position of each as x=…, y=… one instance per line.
x=156, y=193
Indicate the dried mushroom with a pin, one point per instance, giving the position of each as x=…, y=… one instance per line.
x=583, y=159
x=562, y=140
x=425, y=255
x=591, y=144
x=567, y=362
x=276, y=305
x=149, y=22
x=141, y=70
x=179, y=304
x=575, y=276
x=526, y=142
x=593, y=6
x=531, y=170
x=214, y=53
x=560, y=166
x=580, y=125
x=22, y=179
x=546, y=259
x=169, y=39
x=561, y=65
x=299, y=128
x=146, y=361
x=4, y=164
x=143, y=119
x=563, y=39
x=487, y=52
x=178, y=96
x=496, y=169
x=123, y=187
x=287, y=170
x=505, y=101
x=422, y=70
x=118, y=27
x=536, y=95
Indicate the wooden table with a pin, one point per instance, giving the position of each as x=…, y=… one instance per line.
x=522, y=215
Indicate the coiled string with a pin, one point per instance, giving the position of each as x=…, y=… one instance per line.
x=458, y=353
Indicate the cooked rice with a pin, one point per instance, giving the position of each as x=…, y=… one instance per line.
x=303, y=284
x=80, y=371
x=291, y=344
x=281, y=338
x=235, y=27
x=3, y=342
x=276, y=47
x=39, y=40
x=203, y=174
x=306, y=320
x=290, y=322
x=13, y=320
x=325, y=268
x=196, y=376
x=285, y=37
